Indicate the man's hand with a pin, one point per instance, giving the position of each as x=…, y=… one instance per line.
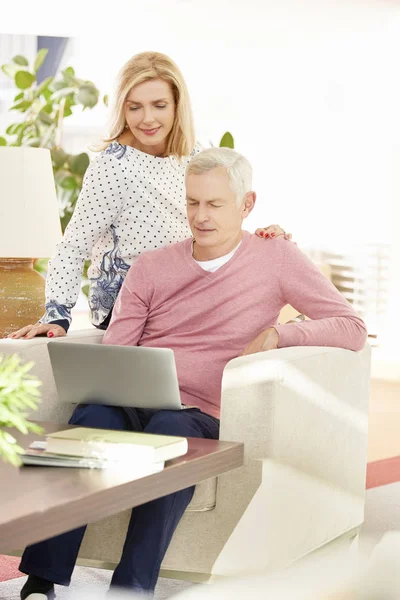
x=266, y=340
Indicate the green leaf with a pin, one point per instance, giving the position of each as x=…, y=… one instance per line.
x=40, y=56
x=41, y=265
x=62, y=92
x=41, y=88
x=20, y=60
x=105, y=100
x=45, y=118
x=70, y=101
x=3, y=141
x=59, y=157
x=57, y=85
x=227, y=141
x=79, y=164
x=14, y=128
x=28, y=130
x=47, y=94
x=64, y=221
x=24, y=79
x=35, y=428
x=9, y=438
x=9, y=70
x=67, y=112
x=88, y=95
x=69, y=72
x=33, y=143
x=59, y=175
x=19, y=97
x=22, y=106
x=68, y=183
x=48, y=108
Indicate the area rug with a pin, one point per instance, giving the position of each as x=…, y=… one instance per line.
x=88, y=583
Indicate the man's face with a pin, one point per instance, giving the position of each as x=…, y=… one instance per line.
x=213, y=214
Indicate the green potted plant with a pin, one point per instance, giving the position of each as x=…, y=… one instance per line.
x=18, y=393
x=42, y=109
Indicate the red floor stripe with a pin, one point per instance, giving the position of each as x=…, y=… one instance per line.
x=383, y=472
x=9, y=567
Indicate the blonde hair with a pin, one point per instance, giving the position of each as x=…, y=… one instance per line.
x=145, y=67
x=239, y=169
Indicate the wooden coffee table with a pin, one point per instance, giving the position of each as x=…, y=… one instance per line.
x=39, y=502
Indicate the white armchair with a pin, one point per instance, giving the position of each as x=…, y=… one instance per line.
x=302, y=413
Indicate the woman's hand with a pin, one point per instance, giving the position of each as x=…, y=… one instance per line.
x=273, y=231
x=30, y=331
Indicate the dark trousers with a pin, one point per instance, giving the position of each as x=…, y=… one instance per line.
x=151, y=525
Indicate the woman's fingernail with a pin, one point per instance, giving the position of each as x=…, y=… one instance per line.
x=262, y=233
x=50, y=334
x=267, y=235
x=272, y=235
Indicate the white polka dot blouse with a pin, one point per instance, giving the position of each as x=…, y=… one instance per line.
x=130, y=202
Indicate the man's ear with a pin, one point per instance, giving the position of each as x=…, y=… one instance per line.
x=249, y=202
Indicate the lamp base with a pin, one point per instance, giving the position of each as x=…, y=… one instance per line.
x=22, y=294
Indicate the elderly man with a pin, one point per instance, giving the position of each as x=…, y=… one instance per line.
x=210, y=298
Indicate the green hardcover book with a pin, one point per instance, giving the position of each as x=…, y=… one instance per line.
x=115, y=445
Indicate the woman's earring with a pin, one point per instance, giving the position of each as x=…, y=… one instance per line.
x=126, y=126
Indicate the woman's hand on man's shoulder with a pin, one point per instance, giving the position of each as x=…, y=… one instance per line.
x=272, y=231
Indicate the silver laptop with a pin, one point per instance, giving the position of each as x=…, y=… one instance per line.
x=115, y=375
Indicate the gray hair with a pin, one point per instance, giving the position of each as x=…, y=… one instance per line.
x=238, y=168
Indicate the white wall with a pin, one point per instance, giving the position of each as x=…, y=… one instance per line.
x=309, y=89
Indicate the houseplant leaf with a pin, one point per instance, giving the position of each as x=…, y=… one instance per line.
x=24, y=79
x=43, y=86
x=59, y=157
x=88, y=95
x=79, y=164
x=20, y=60
x=41, y=55
x=227, y=141
x=18, y=392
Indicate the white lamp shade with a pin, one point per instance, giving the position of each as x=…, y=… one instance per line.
x=29, y=218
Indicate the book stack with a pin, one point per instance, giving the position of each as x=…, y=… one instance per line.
x=86, y=447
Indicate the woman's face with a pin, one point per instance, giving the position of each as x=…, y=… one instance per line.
x=150, y=114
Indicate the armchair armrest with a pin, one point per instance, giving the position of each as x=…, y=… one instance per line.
x=306, y=407
x=35, y=350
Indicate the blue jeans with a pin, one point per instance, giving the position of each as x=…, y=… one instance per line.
x=151, y=525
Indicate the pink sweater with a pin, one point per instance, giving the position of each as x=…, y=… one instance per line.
x=168, y=300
